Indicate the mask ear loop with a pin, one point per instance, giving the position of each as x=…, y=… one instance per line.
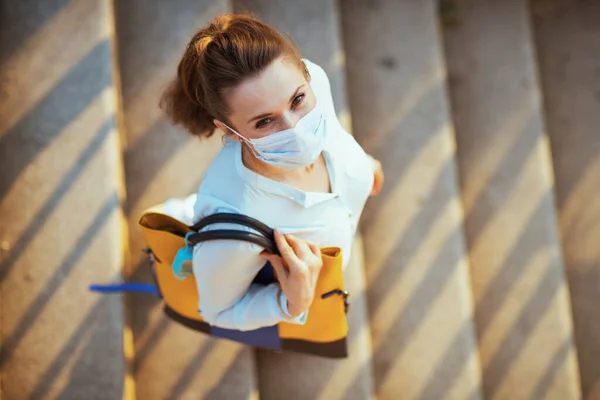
x=248, y=142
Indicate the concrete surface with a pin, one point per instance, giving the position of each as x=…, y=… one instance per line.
x=568, y=44
x=522, y=308
x=415, y=259
x=60, y=203
x=163, y=162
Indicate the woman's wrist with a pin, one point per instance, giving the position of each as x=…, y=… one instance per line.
x=279, y=305
x=292, y=311
x=286, y=308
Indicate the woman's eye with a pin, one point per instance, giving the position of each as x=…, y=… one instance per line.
x=297, y=100
x=262, y=123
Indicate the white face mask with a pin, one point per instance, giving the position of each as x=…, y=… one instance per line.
x=292, y=148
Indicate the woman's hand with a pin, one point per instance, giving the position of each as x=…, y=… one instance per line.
x=378, y=179
x=297, y=270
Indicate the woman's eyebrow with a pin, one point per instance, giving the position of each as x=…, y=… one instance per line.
x=295, y=94
x=267, y=114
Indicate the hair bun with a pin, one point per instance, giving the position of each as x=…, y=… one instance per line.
x=243, y=47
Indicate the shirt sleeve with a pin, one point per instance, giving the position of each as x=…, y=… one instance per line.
x=181, y=208
x=224, y=271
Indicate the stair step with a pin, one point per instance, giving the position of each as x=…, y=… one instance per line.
x=170, y=361
x=314, y=25
x=568, y=49
x=521, y=300
x=60, y=195
x=415, y=332
x=416, y=263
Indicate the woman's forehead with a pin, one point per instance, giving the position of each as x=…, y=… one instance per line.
x=267, y=92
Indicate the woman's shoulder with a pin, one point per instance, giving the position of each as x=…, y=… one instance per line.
x=228, y=197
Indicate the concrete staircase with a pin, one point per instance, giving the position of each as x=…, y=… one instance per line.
x=477, y=275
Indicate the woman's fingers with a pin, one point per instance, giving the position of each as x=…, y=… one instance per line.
x=280, y=270
x=300, y=246
x=277, y=263
x=268, y=256
x=298, y=254
x=297, y=270
x=316, y=250
x=287, y=252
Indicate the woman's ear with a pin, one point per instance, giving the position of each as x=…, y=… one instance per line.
x=225, y=129
x=306, y=73
x=221, y=126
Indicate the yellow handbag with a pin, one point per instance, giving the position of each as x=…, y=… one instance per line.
x=326, y=328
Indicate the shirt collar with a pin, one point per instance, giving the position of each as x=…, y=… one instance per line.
x=303, y=198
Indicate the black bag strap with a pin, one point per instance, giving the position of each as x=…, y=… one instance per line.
x=234, y=219
x=263, y=238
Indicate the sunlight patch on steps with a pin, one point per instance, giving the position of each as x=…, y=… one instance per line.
x=550, y=333
x=140, y=107
x=52, y=281
x=60, y=154
x=129, y=355
x=403, y=202
x=216, y=365
x=90, y=191
x=516, y=297
x=571, y=211
x=417, y=266
x=510, y=218
x=488, y=162
x=407, y=104
x=186, y=165
x=37, y=66
x=424, y=350
x=63, y=371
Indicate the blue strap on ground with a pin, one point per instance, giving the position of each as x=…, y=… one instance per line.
x=126, y=287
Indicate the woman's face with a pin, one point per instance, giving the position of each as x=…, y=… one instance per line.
x=270, y=102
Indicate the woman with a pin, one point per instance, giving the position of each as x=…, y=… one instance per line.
x=287, y=162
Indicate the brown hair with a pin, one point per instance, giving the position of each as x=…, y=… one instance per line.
x=217, y=58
